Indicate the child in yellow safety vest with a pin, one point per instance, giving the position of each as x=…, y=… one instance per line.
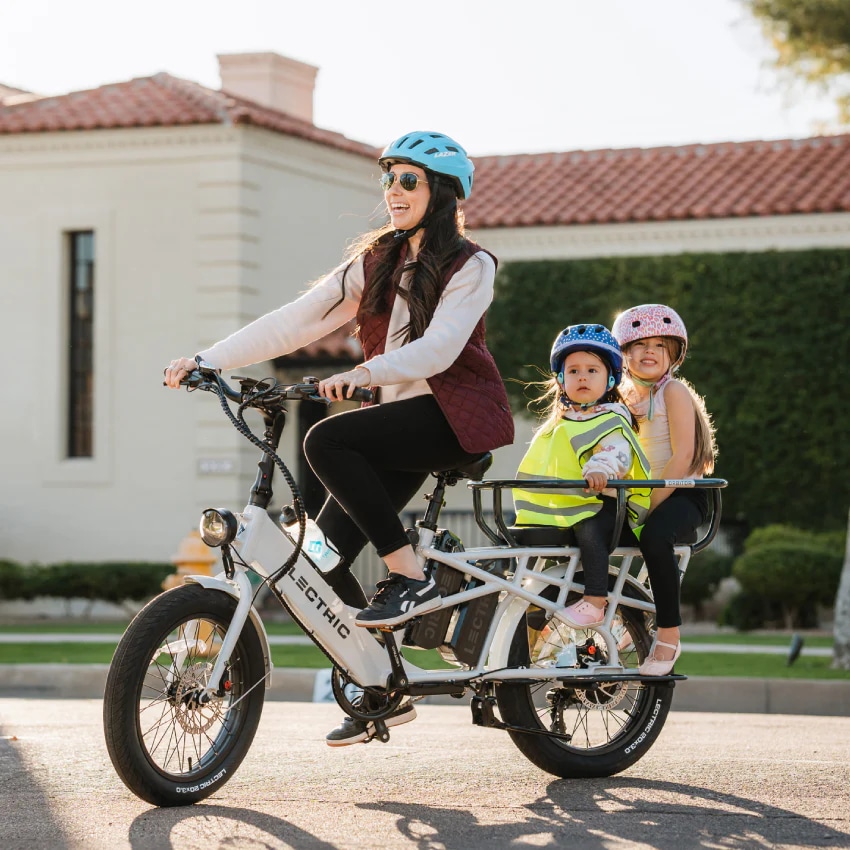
x=588, y=434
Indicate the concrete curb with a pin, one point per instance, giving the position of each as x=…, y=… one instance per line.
x=700, y=693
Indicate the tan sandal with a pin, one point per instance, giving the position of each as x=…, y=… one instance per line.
x=653, y=666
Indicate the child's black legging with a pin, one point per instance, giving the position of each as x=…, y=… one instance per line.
x=373, y=461
x=673, y=522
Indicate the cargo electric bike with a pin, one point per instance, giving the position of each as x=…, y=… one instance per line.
x=186, y=685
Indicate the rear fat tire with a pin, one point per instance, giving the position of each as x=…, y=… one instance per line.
x=165, y=750
x=628, y=730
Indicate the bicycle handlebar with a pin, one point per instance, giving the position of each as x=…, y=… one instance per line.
x=266, y=393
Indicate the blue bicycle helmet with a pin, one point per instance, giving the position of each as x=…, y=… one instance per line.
x=436, y=152
x=595, y=338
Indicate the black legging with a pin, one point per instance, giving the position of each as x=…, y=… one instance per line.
x=593, y=537
x=673, y=522
x=373, y=461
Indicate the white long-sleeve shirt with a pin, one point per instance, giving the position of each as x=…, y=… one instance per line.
x=402, y=369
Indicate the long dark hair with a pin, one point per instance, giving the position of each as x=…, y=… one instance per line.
x=443, y=236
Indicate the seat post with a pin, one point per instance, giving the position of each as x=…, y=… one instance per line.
x=436, y=501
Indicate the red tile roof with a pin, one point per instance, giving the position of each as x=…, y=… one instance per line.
x=160, y=101
x=722, y=180
x=729, y=179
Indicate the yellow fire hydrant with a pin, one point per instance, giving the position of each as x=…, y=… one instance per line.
x=193, y=557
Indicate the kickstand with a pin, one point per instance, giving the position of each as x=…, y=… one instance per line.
x=482, y=705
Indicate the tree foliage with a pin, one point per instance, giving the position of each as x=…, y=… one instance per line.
x=812, y=41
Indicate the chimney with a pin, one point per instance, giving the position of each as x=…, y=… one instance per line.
x=271, y=80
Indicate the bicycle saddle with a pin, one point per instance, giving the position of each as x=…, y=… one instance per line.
x=474, y=470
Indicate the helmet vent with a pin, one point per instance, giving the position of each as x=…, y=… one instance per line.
x=667, y=320
x=450, y=148
x=636, y=324
x=432, y=150
x=417, y=142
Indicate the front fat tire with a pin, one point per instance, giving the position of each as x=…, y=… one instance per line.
x=136, y=687
x=632, y=735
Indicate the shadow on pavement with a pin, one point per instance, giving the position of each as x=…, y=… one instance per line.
x=214, y=827
x=604, y=813
x=37, y=828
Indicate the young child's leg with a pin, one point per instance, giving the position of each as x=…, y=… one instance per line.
x=593, y=536
x=673, y=521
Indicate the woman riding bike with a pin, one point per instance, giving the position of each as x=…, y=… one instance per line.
x=419, y=291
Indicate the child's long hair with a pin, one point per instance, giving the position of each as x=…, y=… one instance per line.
x=705, y=445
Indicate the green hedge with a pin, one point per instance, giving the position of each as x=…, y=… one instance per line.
x=785, y=573
x=702, y=578
x=114, y=582
x=770, y=343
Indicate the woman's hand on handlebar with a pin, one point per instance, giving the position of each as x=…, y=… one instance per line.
x=178, y=370
x=341, y=386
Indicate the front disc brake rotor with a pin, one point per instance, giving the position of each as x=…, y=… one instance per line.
x=193, y=717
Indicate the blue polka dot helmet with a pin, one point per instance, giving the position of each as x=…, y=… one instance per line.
x=594, y=338
x=436, y=152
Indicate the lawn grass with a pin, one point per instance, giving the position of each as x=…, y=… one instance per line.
x=753, y=666
x=757, y=666
x=78, y=626
x=101, y=653
x=748, y=639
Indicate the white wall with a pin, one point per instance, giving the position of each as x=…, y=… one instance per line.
x=194, y=237
x=198, y=231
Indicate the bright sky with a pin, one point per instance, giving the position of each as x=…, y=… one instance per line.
x=498, y=76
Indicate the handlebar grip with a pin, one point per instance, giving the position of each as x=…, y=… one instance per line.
x=362, y=394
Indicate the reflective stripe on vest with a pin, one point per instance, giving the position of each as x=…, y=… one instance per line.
x=561, y=453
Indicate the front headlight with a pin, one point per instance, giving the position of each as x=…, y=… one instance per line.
x=217, y=527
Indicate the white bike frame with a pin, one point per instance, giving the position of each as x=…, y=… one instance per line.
x=264, y=545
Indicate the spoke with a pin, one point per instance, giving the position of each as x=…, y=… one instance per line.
x=175, y=732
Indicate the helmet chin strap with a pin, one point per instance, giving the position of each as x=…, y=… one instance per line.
x=449, y=209
x=406, y=234
x=568, y=402
x=653, y=386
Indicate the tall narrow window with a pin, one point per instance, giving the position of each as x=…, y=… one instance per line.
x=81, y=344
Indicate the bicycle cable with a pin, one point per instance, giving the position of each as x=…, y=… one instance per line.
x=242, y=427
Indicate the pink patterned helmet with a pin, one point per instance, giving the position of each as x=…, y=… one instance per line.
x=647, y=320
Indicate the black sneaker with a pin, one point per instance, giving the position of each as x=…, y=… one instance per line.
x=352, y=731
x=398, y=599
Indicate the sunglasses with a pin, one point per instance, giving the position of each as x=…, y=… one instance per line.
x=407, y=180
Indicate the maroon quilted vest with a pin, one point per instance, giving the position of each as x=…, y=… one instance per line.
x=470, y=392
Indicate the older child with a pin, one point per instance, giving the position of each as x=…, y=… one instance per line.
x=678, y=438
x=587, y=434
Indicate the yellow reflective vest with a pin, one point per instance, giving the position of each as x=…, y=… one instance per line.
x=561, y=453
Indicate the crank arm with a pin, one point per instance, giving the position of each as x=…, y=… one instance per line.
x=381, y=732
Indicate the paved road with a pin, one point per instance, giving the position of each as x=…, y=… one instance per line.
x=736, y=782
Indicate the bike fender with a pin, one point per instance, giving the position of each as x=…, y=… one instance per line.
x=498, y=656
x=225, y=586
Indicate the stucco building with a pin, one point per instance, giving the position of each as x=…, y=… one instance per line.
x=144, y=220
